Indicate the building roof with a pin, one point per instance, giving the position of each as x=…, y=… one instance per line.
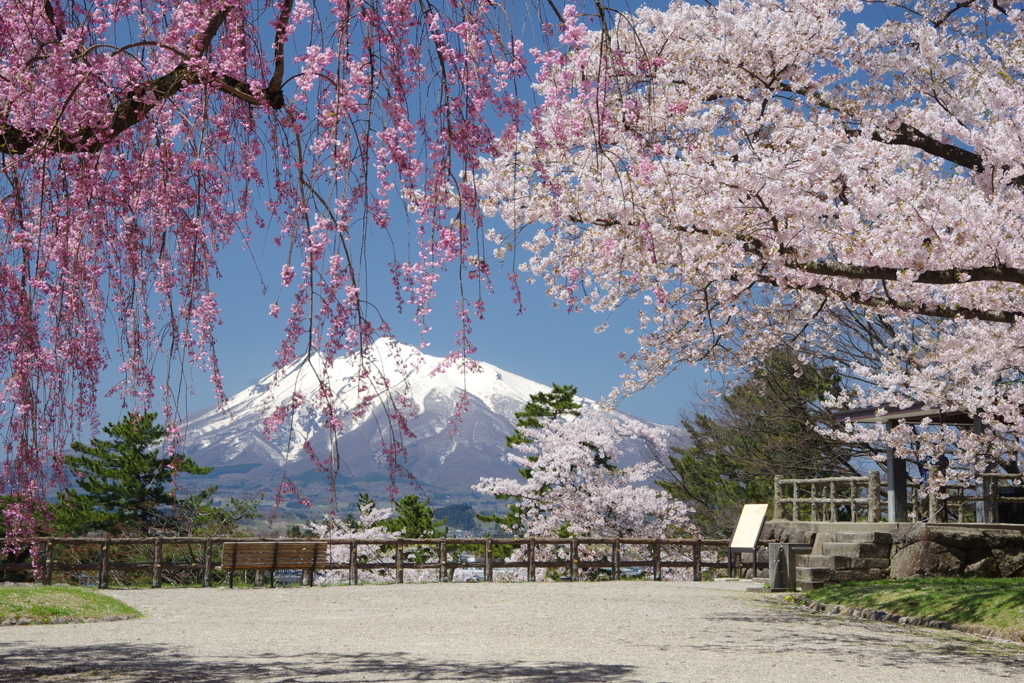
x=912, y=415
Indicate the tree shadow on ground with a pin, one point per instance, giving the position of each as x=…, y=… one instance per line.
x=870, y=644
x=155, y=664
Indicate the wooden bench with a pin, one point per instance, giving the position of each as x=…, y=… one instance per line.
x=272, y=555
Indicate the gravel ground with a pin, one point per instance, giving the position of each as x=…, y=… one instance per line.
x=624, y=632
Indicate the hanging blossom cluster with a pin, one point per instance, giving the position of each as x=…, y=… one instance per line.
x=140, y=139
x=571, y=493
x=749, y=172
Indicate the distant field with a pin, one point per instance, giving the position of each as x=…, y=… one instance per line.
x=995, y=603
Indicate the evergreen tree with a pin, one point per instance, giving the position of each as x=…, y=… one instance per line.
x=122, y=479
x=414, y=518
x=762, y=427
x=458, y=516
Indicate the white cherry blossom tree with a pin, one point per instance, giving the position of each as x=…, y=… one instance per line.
x=746, y=173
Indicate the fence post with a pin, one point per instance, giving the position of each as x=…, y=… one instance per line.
x=48, y=563
x=657, y=560
x=991, y=504
x=104, y=565
x=353, y=563
x=853, y=505
x=933, y=500
x=780, y=509
x=488, y=561
x=616, y=556
x=814, y=502
x=531, y=559
x=833, y=508
x=158, y=561
x=442, y=559
x=399, y=569
x=573, y=547
x=874, y=497
x=207, y=563
x=697, y=569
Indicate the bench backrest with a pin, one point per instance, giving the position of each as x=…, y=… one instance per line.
x=273, y=555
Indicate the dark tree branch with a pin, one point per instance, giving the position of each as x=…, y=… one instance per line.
x=140, y=100
x=914, y=308
x=948, y=276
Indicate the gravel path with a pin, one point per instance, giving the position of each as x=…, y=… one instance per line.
x=625, y=632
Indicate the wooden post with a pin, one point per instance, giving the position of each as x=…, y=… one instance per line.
x=991, y=500
x=399, y=569
x=814, y=502
x=874, y=497
x=442, y=559
x=104, y=565
x=311, y=572
x=657, y=560
x=207, y=563
x=488, y=561
x=616, y=558
x=780, y=507
x=697, y=568
x=353, y=563
x=833, y=508
x=273, y=564
x=897, y=468
x=933, y=501
x=531, y=568
x=158, y=562
x=573, y=549
x=48, y=563
x=234, y=557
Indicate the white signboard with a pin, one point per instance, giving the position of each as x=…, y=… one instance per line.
x=748, y=529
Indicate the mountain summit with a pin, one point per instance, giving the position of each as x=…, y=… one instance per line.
x=444, y=461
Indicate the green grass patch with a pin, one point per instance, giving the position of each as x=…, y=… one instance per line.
x=45, y=603
x=996, y=603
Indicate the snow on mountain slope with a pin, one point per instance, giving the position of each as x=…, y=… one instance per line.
x=423, y=380
x=234, y=438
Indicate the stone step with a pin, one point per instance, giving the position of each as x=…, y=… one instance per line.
x=854, y=549
x=825, y=575
x=804, y=586
x=842, y=562
x=844, y=575
x=822, y=574
x=863, y=537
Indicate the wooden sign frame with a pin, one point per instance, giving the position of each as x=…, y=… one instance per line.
x=748, y=532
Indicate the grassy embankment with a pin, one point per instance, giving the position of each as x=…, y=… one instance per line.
x=48, y=603
x=995, y=603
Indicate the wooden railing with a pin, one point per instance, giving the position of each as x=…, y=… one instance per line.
x=201, y=557
x=979, y=503
x=859, y=499
x=822, y=500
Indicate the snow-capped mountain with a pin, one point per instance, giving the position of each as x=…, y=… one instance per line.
x=235, y=440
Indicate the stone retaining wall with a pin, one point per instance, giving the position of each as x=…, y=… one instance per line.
x=948, y=550
x=916, y=549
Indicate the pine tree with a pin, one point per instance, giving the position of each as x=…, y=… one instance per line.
x=414, y=518
x=122, y=480
x=762, y=427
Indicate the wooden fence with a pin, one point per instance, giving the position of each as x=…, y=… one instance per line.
x=859, y=499
x=201, y=557
x=821, y=500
